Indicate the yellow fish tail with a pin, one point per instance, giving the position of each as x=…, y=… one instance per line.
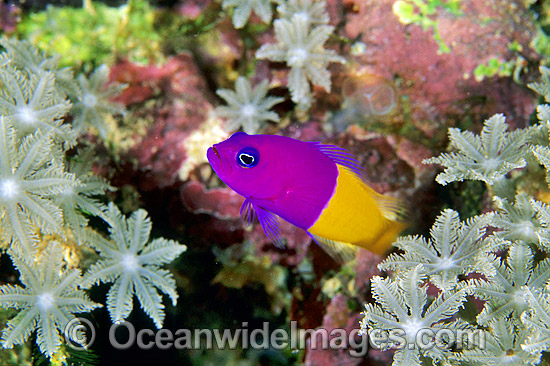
x=385, y=241
x=393, y=210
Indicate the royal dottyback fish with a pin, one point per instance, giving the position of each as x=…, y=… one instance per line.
x=319, y=188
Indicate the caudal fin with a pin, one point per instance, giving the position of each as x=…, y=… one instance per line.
x=391, y=208
x=385, y=241
x=395, y=213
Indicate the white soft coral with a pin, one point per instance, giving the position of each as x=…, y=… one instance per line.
x=302, y=48
x=132, y=263
x=243, y=8
x=47, y=301
x=247, y=107
x=29, y=177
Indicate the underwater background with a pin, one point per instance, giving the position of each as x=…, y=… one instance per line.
x=112, y=221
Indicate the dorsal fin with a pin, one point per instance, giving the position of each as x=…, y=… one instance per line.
x=341, y=157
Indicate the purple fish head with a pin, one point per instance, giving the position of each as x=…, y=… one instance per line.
x=249, y=164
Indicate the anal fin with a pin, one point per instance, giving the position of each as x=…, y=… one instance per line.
x=340, y=251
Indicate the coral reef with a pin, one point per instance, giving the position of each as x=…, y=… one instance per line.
x=93, y=104
x=47, y=195
x=133, y=264
x=301, y=46
x=243, y=8
x=440, y=87
x=46, y=301
x=248, y=107
x=511, y=262
x=110, y=32
x=159, y=150
x=103, y=138
x=8, y=19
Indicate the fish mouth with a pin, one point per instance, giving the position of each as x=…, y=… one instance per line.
x=214, y=158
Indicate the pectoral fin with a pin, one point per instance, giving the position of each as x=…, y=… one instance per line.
x=247, y=213
x=268, y=220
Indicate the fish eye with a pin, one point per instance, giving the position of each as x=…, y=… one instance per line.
x=248, y=157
